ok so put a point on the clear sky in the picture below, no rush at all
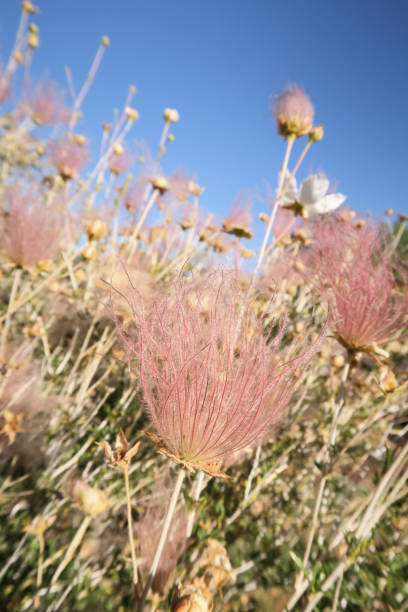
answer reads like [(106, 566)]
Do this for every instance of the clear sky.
[(219, 61)]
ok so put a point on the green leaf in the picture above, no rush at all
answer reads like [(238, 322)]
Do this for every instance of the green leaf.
[(299, 564)]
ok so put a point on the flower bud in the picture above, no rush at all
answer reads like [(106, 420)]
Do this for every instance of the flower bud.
[(89, 251), (80, 140), (171, 115), (28, 7), (131, 113), (18, 56), (105, 41), (316, 133), (33, 38), (160, 183), (96, 229), (118, 148), (293, 112), (195, 189)]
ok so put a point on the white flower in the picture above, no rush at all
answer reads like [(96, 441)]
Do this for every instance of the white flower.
[(312, 195)]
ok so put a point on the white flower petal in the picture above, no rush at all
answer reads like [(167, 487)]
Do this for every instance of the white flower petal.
[(291, 192), (313, 188), (326, 204)]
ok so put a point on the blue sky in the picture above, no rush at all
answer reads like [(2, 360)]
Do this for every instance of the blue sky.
[(219, 61)]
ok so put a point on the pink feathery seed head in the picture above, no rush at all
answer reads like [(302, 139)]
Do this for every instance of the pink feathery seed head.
[(69, 157), (121, 162), (213, 382), (190, 216), (179, 182), (134, 194), (148, 529), (239, 219), (29, 232), (125, 280), (218, 242), (354, 269), (46, 107), (293, 112)]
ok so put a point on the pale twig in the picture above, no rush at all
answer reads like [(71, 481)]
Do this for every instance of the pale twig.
[(72, 548), (300, 580), (199, 486), (85, 87), (399, 234), (39, 569), (367, 523), (337, 592), (272, 216), (26, 297), (7, 322), (141, 220), (252, 473), (130, 528), (163, 537)]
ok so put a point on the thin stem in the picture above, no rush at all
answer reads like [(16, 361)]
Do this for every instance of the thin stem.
[(196, 496), (367, 524), (166, 128), (269, 477), (337, 592), (12, 63), (399, 234), (302, 583), (39, 570), (6, 326), (275, 206), (26, 296), (296, 168), (133, 239), (315, 520), (337, 572), (85, 87), (252, 473), (129, 511), (72, 548), (163, 538)]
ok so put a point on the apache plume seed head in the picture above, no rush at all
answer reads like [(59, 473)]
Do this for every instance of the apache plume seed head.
[(212, 381), (69, 158), (46, 107), (29, 232), (179, 184), (239, 219), (293, 112), (121, 161), (354, 270)]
